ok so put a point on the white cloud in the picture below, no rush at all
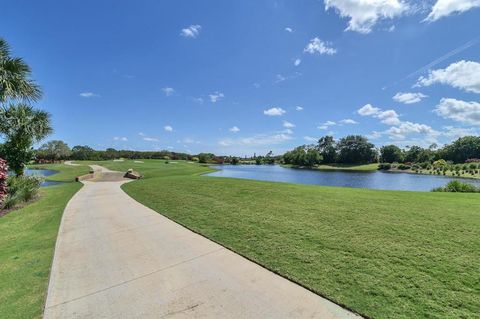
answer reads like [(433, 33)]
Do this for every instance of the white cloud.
[(389, 117), (460, 111), (150, 139), (443, 8), (457, 132), (274, 111), (119, 138), (198, 100), (259, 139), (191, 32), (364, 14), (297, 62), (168, 128), (89, 94), (374, 135), (280, 78), (168, 91), (289, 30), (407, 128), (368, 110), (310, 139), (298, 108), (463, 74), (215, 97), (318, 46), (408, 98), (234, 129), (348, 121), (287, 124), (326, 125)]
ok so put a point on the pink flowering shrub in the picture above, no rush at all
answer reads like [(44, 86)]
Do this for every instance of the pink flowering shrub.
[(3, 179)]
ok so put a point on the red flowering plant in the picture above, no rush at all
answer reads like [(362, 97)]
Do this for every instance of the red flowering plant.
[(3, 179)]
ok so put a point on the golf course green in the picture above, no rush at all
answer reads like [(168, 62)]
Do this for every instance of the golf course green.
[(382, 254)]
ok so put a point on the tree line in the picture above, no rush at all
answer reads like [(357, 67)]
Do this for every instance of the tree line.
[(356, 149)]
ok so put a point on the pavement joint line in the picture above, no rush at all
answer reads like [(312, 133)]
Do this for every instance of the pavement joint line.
[(136, 278)]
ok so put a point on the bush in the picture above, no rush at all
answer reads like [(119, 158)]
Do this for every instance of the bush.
[(457, 187), (21, 189), (403, 166), (384, 166)]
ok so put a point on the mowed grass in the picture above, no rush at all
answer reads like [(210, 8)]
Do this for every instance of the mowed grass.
[(28, 237), (383, 254)]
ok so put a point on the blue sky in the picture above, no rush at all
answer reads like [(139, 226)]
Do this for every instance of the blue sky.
[(238, 77)]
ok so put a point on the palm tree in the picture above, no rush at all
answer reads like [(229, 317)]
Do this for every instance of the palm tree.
[(15, 82), (21, 125)]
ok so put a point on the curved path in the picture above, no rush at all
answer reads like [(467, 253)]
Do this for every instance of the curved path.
[(116, 258)]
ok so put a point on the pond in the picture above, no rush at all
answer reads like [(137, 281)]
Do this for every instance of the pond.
[(44, 173), (372, 180)]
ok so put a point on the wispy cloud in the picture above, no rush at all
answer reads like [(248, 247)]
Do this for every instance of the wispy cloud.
[(408, 97), (289, 30), (287, 124), (317, 46), (191, 32), (150, 139), (120, 138), (217, 96), (444, 8), (234, 129), (297, 62), (168, 91), (298, 108), (89, 94), (274, 111), (256, 140), (168, 128)]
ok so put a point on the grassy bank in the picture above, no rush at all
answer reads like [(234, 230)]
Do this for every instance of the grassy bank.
[(343, 167), (28, 238), (384, 254)]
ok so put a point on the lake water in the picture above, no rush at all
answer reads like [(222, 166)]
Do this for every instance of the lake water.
[(44, 173), (373, 180)]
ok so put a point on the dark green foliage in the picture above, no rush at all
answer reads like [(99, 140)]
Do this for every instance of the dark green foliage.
[(327, 148), (384, 166), (53, 151), (305, 155), (355, 149), (21, 189), (391, 154)]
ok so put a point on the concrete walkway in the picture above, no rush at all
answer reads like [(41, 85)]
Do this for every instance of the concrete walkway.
[(116, 258)]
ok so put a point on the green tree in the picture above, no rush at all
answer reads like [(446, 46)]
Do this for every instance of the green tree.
[(413, 154), (326, 147), (15, 82), (355, 149), (22, 126), (55, 150), (462, 149), (82, 152), (391, 154)]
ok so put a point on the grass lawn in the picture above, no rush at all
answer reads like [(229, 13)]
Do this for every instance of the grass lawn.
[(384, 254), (28, 238)]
